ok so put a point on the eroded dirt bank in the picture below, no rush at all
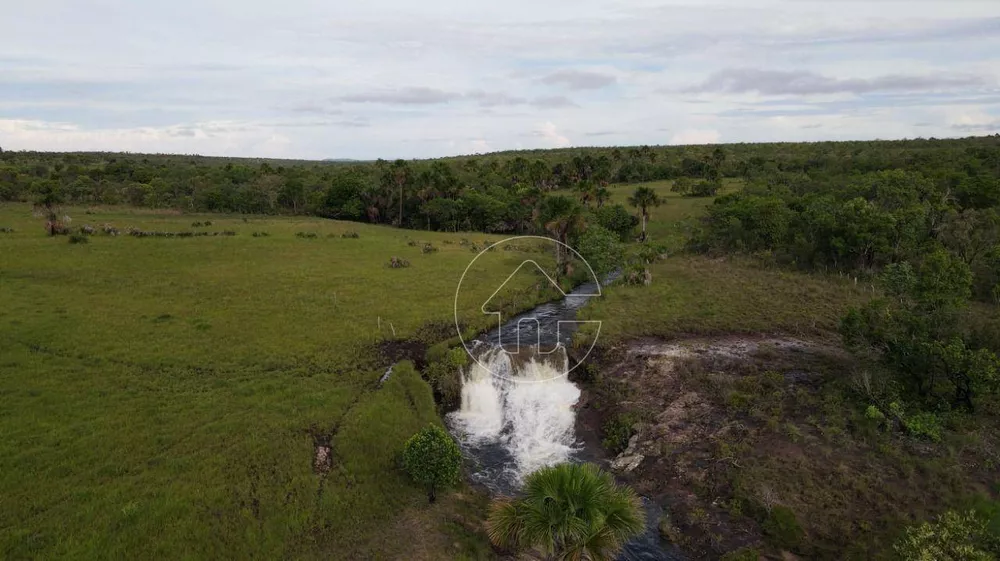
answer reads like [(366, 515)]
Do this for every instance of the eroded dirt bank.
[(756, 445)]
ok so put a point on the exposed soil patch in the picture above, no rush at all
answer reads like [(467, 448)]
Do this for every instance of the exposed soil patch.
[(758, 442), (322, 450), (395, 350)]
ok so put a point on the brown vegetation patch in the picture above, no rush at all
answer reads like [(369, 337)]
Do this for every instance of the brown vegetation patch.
[(732, 434)]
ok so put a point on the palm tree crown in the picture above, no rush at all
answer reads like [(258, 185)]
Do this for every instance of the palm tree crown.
[(570, 512), (643, 198)]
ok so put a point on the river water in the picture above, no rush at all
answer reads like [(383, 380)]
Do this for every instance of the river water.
[(517, 409)]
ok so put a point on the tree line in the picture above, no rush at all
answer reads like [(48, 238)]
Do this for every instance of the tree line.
[(492, 193)]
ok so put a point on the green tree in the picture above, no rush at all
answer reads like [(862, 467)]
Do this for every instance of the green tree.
[(432, 459), (569, 512), (682, 185), (617, 219), (601, 248), (644, 198), (562, 217)]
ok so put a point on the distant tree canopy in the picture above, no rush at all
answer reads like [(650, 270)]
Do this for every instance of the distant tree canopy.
[(498, 192)]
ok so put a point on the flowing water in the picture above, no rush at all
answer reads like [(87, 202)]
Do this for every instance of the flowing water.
[(517, 408)]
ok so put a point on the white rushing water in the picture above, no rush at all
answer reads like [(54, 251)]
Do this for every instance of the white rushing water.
[(516, 414)]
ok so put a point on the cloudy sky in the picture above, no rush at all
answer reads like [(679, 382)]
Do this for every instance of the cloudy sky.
[(390, 78)]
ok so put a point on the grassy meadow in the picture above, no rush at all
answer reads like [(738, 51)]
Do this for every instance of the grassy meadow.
[(163, 397)]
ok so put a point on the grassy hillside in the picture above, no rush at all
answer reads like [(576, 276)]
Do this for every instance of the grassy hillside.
[(163, 397)]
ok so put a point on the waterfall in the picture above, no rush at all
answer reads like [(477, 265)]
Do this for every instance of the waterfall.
[(516, 414)]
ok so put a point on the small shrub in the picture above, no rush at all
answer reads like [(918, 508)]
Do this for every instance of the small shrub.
[(351, 235), (78, 238), (926, 425), (6, 230), (398, 263), (739, 401), (650, 253), (782, 527), (637, 275), (87, 230), (196, 224), (875, 414), (705, 189), (952, 537), (617, 432), (110, 230), (413, 243), (432, 458), (444, 373), (307, 235), (260, 234), (428, 248), (209, 222)]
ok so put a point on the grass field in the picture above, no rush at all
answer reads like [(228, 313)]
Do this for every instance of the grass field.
[(668, 221), (163, 397), (700, 295)]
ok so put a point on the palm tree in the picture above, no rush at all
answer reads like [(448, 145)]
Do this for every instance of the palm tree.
[(601, 195), (571, 512), (643, 199), (560, 216)]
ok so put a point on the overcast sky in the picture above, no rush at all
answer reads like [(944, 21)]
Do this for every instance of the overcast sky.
[(391, 78)]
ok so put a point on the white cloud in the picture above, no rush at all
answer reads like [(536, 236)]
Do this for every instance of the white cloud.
[(387, 78), (695, 136), (550, 133)]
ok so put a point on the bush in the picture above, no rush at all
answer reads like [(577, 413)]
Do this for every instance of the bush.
[(351, 235), (432, 458), (601, 249), (260, 234), (87, 230), (617, 219), (649, 253), (705, 189), (952, 537), (682, 185), (398, 263), (782, 527), (924, 425), (617, 432), (307, 235), (78, 238), (444, 373), (428, 248), (6, 230), (637, 274)]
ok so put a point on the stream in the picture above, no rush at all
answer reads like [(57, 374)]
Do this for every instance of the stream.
[(517, 410)]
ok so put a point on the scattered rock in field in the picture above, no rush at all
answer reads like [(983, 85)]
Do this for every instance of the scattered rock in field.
[(323, 459)]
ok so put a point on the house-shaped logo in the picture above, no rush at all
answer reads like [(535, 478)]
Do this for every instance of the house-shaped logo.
[(543, 330)]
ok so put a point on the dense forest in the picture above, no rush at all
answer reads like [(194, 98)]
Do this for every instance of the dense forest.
[(489, 193)]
